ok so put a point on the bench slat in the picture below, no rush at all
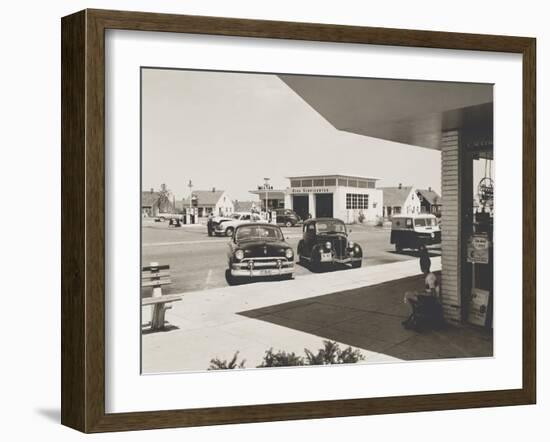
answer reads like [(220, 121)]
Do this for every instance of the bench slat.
[(160, 299), (148, 275), (156, 282), (160, 267)]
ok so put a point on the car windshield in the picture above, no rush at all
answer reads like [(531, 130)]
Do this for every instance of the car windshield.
[(267, 233), (330, 226), (422, 222), (236, 216)]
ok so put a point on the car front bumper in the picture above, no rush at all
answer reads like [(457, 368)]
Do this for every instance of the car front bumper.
[(330, 258), (265, 267)]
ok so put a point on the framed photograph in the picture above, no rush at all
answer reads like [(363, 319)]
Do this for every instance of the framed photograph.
[(270, 220)]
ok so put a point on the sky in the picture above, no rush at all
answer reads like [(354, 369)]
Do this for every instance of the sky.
[(231, 130)]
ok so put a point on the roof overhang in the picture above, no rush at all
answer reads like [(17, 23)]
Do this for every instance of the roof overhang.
[(271, 193), (405, 111)]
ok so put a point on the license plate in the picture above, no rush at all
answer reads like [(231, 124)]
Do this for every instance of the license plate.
[(266, 271), (326, 257)]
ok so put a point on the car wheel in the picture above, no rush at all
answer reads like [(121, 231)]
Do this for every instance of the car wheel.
[(300, 250), (231, 280), (229, 231), (288, 224), (316, 265)]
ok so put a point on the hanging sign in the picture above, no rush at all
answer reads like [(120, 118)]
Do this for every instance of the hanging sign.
[(485, 191), (478, 249)]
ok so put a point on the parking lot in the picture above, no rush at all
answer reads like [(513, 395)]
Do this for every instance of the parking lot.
[(198, 262)]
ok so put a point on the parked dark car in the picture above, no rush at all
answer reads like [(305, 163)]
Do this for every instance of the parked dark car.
[(259, 250), (287, 217), (325, 241)]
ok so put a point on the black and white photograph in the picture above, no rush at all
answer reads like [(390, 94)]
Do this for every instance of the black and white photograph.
[(300, 220)]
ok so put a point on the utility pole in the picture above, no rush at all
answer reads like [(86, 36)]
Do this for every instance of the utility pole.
[(190, 185)]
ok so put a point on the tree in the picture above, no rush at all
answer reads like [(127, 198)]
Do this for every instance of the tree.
[(164, 198)]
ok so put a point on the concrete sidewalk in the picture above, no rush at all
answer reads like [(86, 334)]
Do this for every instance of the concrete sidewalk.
[(361, 307)]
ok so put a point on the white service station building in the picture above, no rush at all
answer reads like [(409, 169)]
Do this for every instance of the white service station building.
[(350, 198)]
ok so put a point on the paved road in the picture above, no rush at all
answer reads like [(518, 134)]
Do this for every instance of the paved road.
[(198, 262)]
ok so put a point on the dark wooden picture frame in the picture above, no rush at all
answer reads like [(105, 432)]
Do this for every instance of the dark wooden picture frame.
[(83, 220)]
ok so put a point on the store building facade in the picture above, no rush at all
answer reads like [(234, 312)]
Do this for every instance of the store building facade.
[(347, 197)]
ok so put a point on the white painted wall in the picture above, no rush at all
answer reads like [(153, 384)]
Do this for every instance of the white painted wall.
[(224, 205)]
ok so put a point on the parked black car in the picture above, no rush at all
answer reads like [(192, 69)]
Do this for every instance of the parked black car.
[(259, 250), (287, 217), (325, 241)]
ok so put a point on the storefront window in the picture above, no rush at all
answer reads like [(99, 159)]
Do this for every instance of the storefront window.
[(357, 201), (307, 183), (320, 182)]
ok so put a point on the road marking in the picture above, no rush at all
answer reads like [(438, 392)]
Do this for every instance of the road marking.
[(208, 278)]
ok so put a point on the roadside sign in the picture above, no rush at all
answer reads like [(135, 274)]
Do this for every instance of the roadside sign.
[(479, 306), (478, 249)]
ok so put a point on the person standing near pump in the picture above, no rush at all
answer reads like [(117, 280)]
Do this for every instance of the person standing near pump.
[(209, 226), (425, 261)]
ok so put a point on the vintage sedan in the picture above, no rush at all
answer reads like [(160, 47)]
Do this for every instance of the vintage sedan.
[(325, 241), (225, 226), (259, 250)]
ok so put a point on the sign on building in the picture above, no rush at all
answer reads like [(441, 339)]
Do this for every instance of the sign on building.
[(478, 249), (479, 306)]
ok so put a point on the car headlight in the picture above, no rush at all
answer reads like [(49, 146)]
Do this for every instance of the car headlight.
[(351, 244), (239, 254), (289, 253), (328, 245)]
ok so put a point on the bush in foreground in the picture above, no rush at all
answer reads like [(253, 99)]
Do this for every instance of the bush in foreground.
[(218, 364), (331, 353)]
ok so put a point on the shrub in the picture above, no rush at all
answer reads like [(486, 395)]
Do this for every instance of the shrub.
[(331, 353), (218, 364), (281, 359)]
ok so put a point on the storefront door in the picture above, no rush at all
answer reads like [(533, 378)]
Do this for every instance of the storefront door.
[(324, 205), (300, 205)]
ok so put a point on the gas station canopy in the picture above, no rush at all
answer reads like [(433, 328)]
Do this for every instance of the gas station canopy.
[(406, 111)]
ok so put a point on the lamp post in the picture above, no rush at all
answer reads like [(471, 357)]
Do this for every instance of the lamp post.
[(266, 187)]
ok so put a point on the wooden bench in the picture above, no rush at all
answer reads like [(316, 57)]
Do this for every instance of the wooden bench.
[(155, 276)]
